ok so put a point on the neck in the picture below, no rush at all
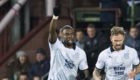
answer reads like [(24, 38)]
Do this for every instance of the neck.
[(117, 49), (69, 46), (22, 63)]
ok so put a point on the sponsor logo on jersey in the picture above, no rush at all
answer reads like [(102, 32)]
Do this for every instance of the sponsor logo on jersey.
[(69, 64)]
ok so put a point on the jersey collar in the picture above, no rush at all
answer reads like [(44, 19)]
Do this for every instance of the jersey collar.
[(112, 50), (74, 45)]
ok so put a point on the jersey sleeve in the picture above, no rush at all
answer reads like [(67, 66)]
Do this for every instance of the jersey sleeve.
[(83, 63), (101, 61), (135, 57), (55, 45)]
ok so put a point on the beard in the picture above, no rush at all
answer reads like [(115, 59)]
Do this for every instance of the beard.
[(118, 47), (68, 42)]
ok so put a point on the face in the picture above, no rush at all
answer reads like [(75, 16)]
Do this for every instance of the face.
[(133, 32), (5, 79), (36, 78), (68, 36), (23, 77), (22, 59), (79, 35), (40, 57), (117, 41), (91, 32)]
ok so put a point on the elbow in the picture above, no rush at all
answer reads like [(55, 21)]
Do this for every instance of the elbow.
[(52, 39), (93, 74)]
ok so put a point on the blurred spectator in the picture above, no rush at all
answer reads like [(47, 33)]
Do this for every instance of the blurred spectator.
[(20, 64), (133, 40), (5, 79), (23, 76), (80, 38), (95, 42), (42, 64), (138, 27)]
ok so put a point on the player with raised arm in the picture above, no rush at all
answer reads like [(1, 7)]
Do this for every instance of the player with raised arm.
[(66, 57)]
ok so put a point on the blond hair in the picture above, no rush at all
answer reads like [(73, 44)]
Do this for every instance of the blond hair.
[(117, 30)]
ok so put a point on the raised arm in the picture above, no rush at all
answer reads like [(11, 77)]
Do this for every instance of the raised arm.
[(97, 74), (52, 30)]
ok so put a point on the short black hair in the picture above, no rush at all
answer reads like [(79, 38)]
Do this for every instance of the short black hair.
[(79, 30), (138, 25), (66, 27), (91, 26), (41, 51)]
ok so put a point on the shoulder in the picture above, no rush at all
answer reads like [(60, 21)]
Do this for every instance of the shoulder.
[(57, 44), (80, 50), (130, 49), (11, 63), (57, 41), (105, 52), (47, 61)]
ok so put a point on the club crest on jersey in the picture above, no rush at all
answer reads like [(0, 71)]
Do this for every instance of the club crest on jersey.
[(69, 64), (126, 55)]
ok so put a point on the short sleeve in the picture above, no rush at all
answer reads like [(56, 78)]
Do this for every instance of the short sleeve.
[(83, 63), (100, 62), (135, 57), (55, 45)]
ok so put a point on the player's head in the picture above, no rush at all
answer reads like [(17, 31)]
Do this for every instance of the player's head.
[(117, 37), (67, 35)]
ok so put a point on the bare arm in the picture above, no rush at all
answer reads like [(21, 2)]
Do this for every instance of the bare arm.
[(97, 74), (136, 69), (86, 73), (52, 30)]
